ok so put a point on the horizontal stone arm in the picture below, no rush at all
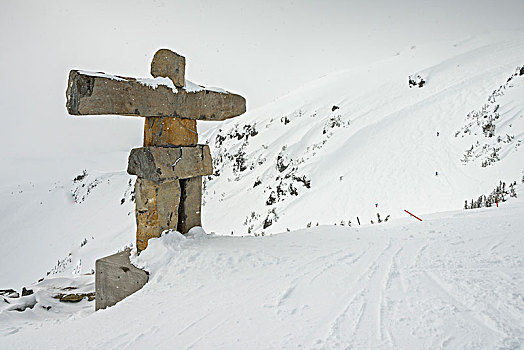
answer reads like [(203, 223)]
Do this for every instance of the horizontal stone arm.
[(160, 164), (99, 94)]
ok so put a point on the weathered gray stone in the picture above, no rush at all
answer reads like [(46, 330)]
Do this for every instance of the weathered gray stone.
[(170, 163), (190, 204), (116, 278), (169, 64), (156, 209), (96, 94)]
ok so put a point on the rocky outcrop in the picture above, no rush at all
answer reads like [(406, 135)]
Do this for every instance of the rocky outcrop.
[(10, 293), (75, 297)]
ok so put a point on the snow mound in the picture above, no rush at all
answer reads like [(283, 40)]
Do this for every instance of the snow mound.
[(162, 251)]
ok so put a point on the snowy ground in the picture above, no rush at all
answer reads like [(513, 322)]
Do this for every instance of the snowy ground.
[(455, 280)]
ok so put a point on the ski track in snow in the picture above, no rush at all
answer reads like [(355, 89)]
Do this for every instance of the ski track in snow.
[(453, 281)]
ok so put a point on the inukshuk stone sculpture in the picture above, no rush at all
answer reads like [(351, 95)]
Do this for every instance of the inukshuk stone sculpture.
[(171, 164)]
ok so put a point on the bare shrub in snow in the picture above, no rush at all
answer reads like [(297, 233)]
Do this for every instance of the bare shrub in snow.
[(500, 194), (416, 80)]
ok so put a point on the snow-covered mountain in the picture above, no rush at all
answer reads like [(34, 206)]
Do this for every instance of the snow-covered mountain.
[(337, 151), (363, 141)]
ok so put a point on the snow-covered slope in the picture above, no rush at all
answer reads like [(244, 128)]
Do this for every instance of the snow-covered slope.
[(454, 280), (337, 151), (362, 142), (55, 228)]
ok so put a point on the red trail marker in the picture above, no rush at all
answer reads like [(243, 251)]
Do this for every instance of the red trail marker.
[(416, 217)]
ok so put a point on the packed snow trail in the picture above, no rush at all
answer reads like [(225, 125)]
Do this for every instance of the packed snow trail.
[(455, 280)]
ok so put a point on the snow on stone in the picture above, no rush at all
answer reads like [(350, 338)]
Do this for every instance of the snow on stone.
[(216, 89), (176, 161), (102, 75), (192, 87), (155, 82)]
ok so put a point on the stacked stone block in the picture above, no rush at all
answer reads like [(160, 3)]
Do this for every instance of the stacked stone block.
[(168, 190), (169, 166)]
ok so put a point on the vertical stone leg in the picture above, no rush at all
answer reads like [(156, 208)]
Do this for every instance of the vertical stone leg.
[(156, 209), (169, 131), (190, 204)]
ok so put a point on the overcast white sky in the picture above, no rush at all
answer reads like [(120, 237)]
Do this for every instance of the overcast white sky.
[(259, 49)]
